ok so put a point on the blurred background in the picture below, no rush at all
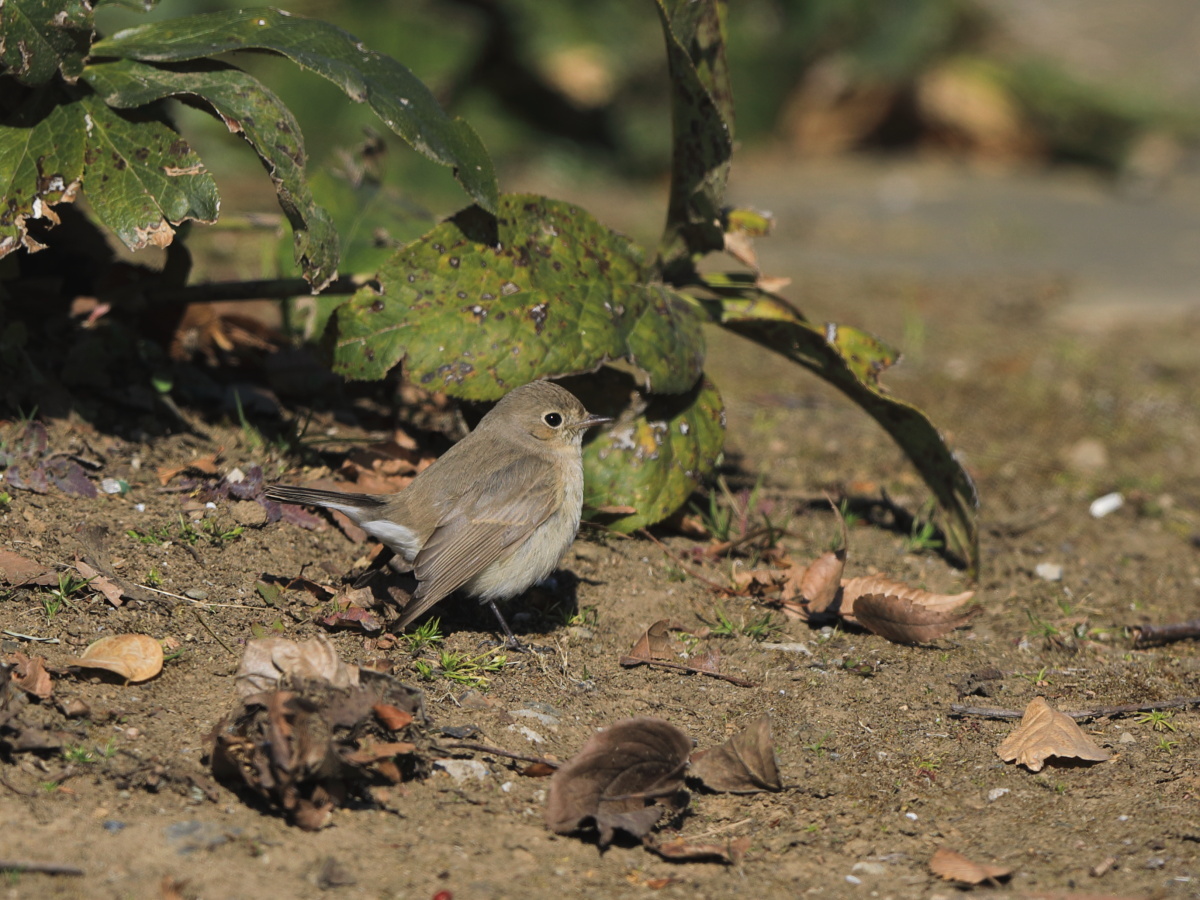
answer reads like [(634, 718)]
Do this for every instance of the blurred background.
[(908, 136)]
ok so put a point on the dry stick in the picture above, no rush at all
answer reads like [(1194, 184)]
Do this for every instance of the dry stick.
[(630, 661), (1145, 635), (496, 751), (1099, 712), (42, 868), (213, 633)]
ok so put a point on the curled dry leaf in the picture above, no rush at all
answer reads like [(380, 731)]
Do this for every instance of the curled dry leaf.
[(953, 866), (268, 660), (621, 779), (30, 675), (1046, 732), (745, 764), (16, 570), (135, 657), (97, 582), (817, 585), (853, 588), (908, 621)]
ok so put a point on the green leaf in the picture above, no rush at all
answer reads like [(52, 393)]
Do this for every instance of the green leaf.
[(702, 128), (141, 177), (480, 305), (39, 38), (652, 460), (248, 108), (41, 163), (397, 96), (851, 360)]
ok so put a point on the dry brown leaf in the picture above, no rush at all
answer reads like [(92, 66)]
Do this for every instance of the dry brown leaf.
[(204, 465), (907, 621), (740, 246), (953, 866), (390, 717), (818, 585), (745, 764), (853, 588), (655, 642), (30, 675), (1046, 732), (621, 779), (135, 657), (98, 582), (772, 284), (16, 569), (757, 581), (267, 660)]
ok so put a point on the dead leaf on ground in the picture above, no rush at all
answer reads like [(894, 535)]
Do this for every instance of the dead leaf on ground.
[(30, 675), (745, 764), (16, 570), (390, 717), (97, 582), (656, 642), (623, 778), (731, 852), (135, 657), (908, 621), (307, 750), (953, 866), (860, 586), (267, 661), (204, 465), (1046, 732)]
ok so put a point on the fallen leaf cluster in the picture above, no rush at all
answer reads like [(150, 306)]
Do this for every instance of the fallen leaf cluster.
[(886, 607), (29, 466), (626, 777), (26, 723), (311, 732)]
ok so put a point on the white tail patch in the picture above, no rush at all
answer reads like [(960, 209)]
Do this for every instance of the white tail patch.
[(401, 539)]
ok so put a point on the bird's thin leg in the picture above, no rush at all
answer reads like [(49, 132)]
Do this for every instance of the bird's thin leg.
[(513, 643)]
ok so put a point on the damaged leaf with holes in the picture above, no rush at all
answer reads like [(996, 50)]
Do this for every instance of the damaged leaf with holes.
[(481, 305)]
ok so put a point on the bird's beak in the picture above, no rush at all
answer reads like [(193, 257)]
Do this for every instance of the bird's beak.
[(592, 421)]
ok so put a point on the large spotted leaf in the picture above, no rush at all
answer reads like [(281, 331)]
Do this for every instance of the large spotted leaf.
[(653, 457), (41, 38), (481, 305)]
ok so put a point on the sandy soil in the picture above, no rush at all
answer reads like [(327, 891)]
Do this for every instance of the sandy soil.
[(878, 771)]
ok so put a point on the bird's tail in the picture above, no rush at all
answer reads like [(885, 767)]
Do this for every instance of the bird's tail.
[(353, 505)]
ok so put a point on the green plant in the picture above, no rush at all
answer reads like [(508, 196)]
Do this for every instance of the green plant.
[(5, 500), (1166, 746), (424, 635), (922, 537), (490, 298), (1157, 719), (818, 746), (154, 578), (78, 754)]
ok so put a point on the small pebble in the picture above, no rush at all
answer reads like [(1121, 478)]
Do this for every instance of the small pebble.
[(113, 826), (868, 868), (995, 794), (461, 770), (853, 880), (788, 648), (1049, 571), (1102, 506), (196, 594), (114, 486), (1126, 738)]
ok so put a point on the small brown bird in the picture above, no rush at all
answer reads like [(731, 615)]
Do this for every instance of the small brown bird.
[(494, 514)]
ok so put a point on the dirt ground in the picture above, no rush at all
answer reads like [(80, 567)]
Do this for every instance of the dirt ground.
[(878, 772)]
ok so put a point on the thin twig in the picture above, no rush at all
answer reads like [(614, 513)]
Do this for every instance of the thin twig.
[(204, 625), (1146, 635), (30, 637), (42, 868), (630, 661), (496, 751), (1099, 712)]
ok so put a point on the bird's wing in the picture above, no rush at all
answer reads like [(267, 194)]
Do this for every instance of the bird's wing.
[(509, 504)]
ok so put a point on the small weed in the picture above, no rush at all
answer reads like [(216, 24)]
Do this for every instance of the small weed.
[(217, 535), (424, 670), (813, 828), (757, 629), (470, 671), (818, 746), (426, 634), (922, 537), (1166, 746), (153, 536), (675, 573), (49, 787), (51, 606), (5, 500), (850, 518), (1040, 628), (1158, 719), (724, 626), (1038, 678), (153, 578), (78, 754)]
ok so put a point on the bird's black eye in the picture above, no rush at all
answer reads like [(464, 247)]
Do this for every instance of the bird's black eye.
[(552, 419)]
